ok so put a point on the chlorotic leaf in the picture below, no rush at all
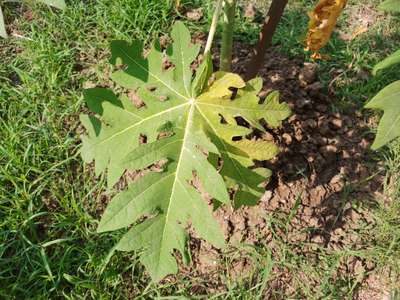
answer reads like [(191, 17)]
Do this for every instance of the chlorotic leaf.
[(391, 6), (3, 32), (389, 61), (388, 100), (189, 122)]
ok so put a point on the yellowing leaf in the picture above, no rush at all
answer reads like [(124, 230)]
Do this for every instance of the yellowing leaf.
[(220, 88), (259, 150), (323, 20)]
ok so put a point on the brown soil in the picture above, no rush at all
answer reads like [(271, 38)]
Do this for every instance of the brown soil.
[(360, 18), (318, 197)]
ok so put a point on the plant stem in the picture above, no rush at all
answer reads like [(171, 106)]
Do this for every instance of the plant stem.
[(227, 35), (213, 27), (270, 24)]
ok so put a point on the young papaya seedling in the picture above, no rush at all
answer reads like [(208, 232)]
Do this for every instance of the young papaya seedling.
[(199, 112)]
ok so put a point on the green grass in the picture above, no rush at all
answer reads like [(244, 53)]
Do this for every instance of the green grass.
[(49, 200)]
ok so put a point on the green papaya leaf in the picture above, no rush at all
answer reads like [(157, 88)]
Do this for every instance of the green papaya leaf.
[(199, 112), (3, 32), (392, 6), (388, 100), (389, 61)]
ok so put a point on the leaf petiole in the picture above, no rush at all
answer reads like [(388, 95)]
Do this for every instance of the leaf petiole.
[(213, 27)]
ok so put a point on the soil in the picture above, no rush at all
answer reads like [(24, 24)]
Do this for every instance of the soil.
[(319, 195), (359, 20)]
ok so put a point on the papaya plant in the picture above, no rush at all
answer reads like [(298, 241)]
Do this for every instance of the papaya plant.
[(388, 99), (270, 25), (192, 134)]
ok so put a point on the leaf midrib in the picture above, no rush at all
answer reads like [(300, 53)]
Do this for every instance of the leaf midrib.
[(185, 83), (178, 166), (140, 122)]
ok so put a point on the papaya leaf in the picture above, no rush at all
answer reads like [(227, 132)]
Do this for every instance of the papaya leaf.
[(391, 6), (204, 143), (389, 61), (388, 100)]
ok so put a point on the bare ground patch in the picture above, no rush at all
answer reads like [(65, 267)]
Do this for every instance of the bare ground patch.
[(318, 202)]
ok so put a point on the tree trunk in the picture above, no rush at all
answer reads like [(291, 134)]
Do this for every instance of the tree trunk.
[(227, 35), (270, 24)]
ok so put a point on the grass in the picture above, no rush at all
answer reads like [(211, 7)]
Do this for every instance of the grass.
[(49, 201)]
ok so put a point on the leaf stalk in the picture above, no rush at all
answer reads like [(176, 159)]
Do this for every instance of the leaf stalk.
[(213, 26)]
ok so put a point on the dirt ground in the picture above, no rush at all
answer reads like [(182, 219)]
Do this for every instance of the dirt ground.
[(322, 185)]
